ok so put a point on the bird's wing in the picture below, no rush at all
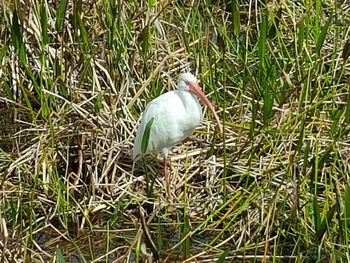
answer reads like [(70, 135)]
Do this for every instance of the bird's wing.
[(167, 111)]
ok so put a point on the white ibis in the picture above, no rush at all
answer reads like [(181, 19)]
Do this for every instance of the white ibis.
[(175, 115)]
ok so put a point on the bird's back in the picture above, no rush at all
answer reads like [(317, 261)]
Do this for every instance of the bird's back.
[(176, 114)]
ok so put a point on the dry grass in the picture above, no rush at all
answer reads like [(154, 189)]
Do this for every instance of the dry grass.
[(272, 188)]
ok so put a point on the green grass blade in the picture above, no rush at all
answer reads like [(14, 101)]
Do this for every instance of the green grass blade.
[(160, 231), (268, 103), (222, 257), (322, 36), (44, 25), (346, 50), (143, 39), (236, 18), (347, 206), (275, 23), (145, 137), (17, 38), (301, 36), (16, 31), (335, 125), (317, 214), (98, 106), (3, 52), (59, 256), (84, 35), (61, 14), (325, 223), (347, 111), (262, 40)]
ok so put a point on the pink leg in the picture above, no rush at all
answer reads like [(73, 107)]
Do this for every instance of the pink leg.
[(166, 176)]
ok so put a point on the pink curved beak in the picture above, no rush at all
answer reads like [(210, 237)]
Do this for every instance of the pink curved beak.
[(194, 87)]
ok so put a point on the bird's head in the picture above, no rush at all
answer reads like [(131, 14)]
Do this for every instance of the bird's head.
[(188, 82)]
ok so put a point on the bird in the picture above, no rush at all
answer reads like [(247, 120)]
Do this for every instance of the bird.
[(174, 116)]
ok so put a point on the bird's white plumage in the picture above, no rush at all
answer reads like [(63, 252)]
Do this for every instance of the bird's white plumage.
[(176, 114)]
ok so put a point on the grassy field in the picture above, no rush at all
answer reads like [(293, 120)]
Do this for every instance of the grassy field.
[(273, 187)]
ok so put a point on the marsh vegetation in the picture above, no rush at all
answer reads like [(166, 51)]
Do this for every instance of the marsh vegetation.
[(273, 187)]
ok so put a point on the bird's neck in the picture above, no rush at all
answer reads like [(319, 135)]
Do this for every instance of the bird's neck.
[(189, 100)]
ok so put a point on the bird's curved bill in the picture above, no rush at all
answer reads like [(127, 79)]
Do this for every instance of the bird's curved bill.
[(194, 88)]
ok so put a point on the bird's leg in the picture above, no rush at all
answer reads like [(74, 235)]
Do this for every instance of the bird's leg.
[(166, 176)]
